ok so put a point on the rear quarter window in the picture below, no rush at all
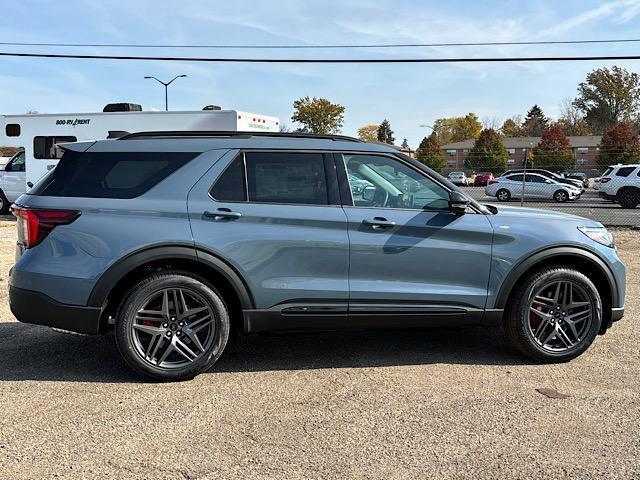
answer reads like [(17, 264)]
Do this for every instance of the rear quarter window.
[(109, 175), (624, 171)]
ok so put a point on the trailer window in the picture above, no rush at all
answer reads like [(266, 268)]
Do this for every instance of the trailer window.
[(12, 130), (46, 147)]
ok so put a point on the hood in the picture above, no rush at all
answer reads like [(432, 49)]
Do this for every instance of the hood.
[(522, 213)]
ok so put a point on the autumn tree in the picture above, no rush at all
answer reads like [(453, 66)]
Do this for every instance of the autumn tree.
[(512, 127), (457, 129), (572, 119), (553, 152), (609, 96), (488, 153), (619, 144), (385, 134), (318, 115), (534, 123), (430, 154), (368, 133)]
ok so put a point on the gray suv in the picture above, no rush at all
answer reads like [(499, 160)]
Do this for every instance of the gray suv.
[(178, 239)]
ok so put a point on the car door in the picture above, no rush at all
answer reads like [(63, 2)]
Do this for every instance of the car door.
[(13, 183), (411, 260), (276, 217), (537, 186)]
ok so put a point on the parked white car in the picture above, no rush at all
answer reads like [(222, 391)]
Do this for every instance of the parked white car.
[(458, 178), (535, 186), (12, 181), (622, 185)]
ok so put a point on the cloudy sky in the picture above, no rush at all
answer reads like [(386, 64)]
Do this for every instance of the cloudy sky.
[(409, 95)]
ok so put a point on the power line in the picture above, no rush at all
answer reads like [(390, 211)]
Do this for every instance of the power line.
[(323, 46), (323, 60)]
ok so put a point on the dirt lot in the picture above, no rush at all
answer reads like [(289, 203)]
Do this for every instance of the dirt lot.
[(441, 403)]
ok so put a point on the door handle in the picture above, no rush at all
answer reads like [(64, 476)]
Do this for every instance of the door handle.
[(221, 213), (378, 223)]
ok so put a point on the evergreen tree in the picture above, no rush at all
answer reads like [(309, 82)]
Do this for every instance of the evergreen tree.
[(385, 134), (405, 144), (535, 122), (430, 154), (488, 153)]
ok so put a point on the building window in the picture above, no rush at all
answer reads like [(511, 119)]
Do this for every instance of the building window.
[(47, 147), (511, 161), (452, 163), (582, 149), (466, 150), (581, 161), (12, 130), (512, 151), (452, 153)]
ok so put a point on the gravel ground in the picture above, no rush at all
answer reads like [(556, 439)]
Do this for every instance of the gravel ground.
[(429, 404)]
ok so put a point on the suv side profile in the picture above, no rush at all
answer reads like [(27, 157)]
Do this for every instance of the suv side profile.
[(177, 239), (621, 184)]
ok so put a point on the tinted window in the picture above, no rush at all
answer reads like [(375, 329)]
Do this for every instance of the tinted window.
[(535, 179), (230, 186), (45, 147), (516, 178), (625, 171), (389, 183), (109, 175), (12, 130), (275, 177)]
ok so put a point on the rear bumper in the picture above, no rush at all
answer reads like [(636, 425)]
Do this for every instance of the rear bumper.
[(36, 308)]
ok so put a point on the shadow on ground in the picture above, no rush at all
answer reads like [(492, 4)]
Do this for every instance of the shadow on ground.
[(30, 352)]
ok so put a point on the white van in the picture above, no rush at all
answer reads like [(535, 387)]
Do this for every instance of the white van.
[(39, 134)]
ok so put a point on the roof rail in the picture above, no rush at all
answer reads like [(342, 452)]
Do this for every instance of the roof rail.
[(233, 134)]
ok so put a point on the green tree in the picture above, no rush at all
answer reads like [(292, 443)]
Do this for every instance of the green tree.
[(457, 129), (534, 123), (385, 134), (318, 115), (609, 96), (619, 144), (405, 144), (368, 133), (512, 127), (488, 153), (572, 119), (430, 154), (553, 152)]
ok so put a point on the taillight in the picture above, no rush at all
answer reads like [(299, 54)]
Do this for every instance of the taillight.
[(491, 181), (35, 224), (605, 180)]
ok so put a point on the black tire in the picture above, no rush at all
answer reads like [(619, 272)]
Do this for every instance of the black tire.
[(518, 314), (135, 300), (628, 198), (4, 204), (504, 193), (561, 196)]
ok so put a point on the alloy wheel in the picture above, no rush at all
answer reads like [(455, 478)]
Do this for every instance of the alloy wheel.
[(173, 328), (560, 316)]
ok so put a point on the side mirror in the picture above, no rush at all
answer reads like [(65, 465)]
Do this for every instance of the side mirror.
[(369, 193), (458, 203)]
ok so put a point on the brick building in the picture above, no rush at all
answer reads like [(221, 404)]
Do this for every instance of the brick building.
[(585, 150)]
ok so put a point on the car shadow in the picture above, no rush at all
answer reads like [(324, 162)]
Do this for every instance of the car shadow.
[(29, 352)]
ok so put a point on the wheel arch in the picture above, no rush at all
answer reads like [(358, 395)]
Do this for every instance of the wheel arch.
[(583, 260), (116, 280)]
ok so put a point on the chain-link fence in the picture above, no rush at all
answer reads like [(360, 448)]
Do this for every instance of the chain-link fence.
[(610, 196)]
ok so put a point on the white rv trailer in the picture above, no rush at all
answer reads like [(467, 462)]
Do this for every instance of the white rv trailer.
[(38, 134)]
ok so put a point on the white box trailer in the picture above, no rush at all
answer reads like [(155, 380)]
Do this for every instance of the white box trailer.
[(38, 134)]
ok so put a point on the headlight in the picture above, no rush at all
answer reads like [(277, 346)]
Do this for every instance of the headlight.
[(599, 234)]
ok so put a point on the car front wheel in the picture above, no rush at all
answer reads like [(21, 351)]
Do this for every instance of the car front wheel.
[(503, 195), (554, 315), (561, 196), (172, 326)]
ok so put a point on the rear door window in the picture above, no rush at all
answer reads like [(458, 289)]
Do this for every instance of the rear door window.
[(625, 171), (109, 175), (231, 185)]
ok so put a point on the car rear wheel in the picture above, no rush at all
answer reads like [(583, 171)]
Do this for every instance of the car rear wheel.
[(629, 198), (172, 326), (554, 315), (561, 196), (503, 195)]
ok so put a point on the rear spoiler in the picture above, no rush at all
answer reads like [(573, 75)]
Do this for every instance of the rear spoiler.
[(76, 146)]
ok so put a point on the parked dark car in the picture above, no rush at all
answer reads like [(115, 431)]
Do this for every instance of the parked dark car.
[(580, 176), (483, 179)]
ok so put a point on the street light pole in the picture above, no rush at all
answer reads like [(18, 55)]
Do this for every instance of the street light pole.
[(166, 88)]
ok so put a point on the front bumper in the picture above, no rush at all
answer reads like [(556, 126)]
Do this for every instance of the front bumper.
[(617, 314), (36, 308)]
